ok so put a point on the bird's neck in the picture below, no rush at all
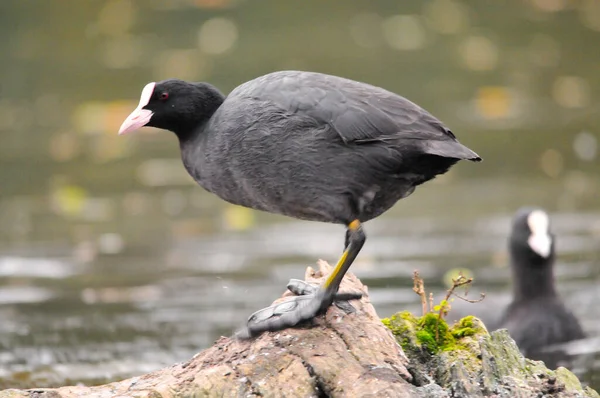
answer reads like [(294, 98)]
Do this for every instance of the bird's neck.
[(194, 157), (190, 132), (193, 125), (532, 281)]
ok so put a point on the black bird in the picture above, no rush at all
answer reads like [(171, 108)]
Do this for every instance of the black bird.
[(537, 316), (306, 145)]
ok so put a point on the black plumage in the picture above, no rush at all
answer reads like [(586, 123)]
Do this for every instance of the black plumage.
[(537, 316), (306, 145)]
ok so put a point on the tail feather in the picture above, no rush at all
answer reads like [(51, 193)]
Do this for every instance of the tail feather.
[(451, 149)]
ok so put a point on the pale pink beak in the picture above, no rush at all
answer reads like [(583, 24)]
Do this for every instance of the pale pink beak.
[(139, 117)]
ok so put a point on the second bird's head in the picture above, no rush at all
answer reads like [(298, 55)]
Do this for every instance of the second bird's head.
[(531, 240), (174, 105)]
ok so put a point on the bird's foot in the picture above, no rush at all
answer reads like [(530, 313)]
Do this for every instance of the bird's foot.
[(309, 301), (301, 288)]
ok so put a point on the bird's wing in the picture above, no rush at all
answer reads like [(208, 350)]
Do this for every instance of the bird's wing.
[(360, 113)]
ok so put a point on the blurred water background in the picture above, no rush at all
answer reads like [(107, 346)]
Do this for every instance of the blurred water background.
[(114, 263)]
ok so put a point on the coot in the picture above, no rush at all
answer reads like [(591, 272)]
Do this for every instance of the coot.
[(537, 316), (306, 145)]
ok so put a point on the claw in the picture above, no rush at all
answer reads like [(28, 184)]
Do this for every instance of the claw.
[(345, 306), (309, 302), (274, 310), (301, 288), (347, 296), (283, 315)]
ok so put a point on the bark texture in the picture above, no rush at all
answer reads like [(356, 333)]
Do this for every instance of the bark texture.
[(342, 355)]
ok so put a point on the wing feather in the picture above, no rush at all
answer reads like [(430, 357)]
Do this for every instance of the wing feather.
[(358, 112)]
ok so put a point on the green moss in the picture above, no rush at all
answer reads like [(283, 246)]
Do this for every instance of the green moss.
[(570, 381), (14, 394), (420, 332), (434, 334), (589, 392), (465, 358), (403, 326), (467, 322), (425, 338), (464, 328), (412, 332)]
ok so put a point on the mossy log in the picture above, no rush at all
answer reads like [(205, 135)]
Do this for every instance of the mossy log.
[(349, 355)]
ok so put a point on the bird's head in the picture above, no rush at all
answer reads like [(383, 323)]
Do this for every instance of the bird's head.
[(531, 238), (174, 105)]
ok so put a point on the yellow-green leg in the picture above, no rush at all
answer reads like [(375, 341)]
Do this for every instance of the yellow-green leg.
[(313, 300)]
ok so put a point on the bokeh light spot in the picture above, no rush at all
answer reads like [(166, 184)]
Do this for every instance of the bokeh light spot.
[(551, 163), (479, 53), (111, 243), (404, 32), (493, 102), (238, 218), (589, 13), (571, 92), (64, 146), (186, 64), (585, 146), (217, 36), (549, 5)]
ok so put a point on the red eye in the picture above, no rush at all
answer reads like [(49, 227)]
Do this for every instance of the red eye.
[(164, 96)]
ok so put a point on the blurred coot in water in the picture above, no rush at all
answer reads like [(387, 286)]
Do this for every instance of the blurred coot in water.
[(306, 145), (537, 316)]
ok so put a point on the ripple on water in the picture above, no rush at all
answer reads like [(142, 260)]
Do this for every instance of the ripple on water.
[(24, 294), (13, 266)]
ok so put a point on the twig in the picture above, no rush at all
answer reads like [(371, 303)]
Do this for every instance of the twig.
[(459, 281), (430, 302), (420, 290), (481, 297)]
